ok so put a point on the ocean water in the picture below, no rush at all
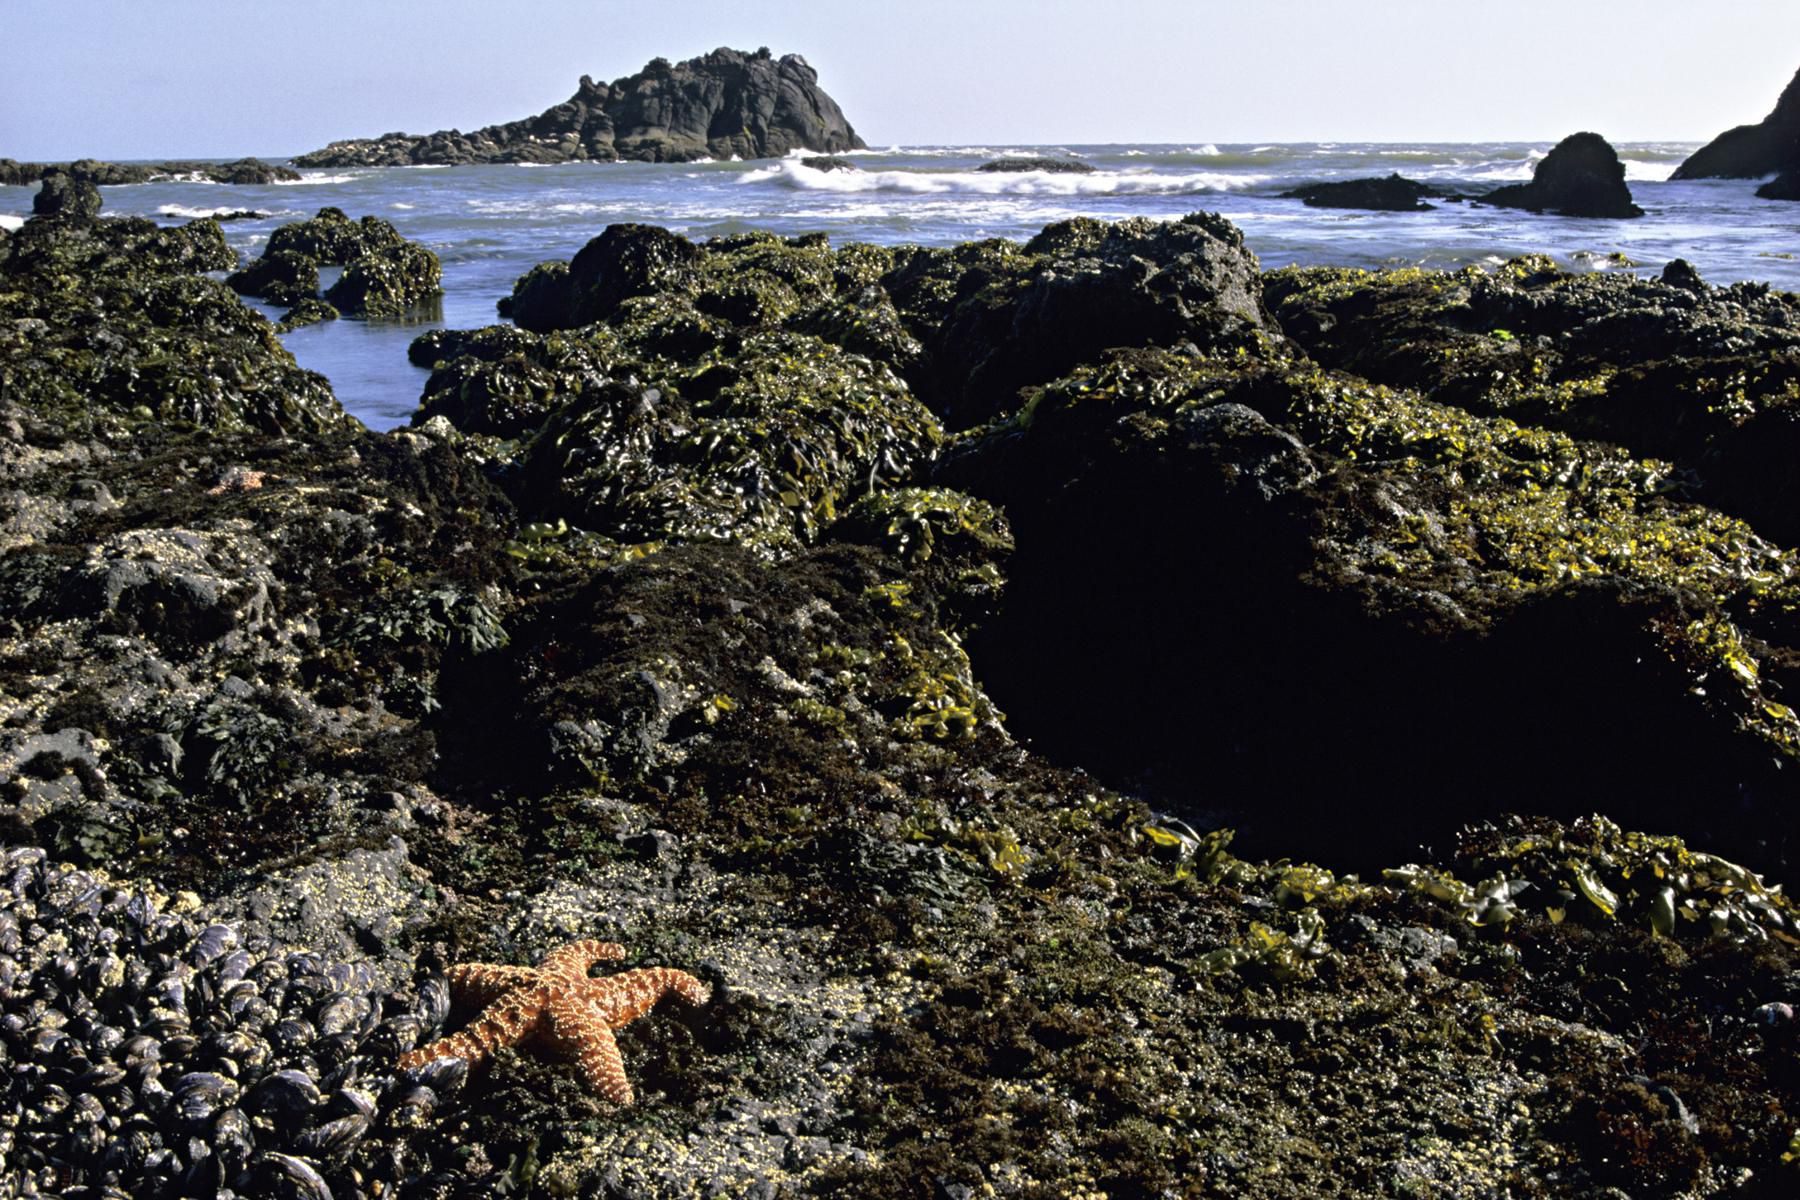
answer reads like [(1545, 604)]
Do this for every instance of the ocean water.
[(490, 224)]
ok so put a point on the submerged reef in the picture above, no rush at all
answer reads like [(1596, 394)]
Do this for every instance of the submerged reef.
[(1089, 717)]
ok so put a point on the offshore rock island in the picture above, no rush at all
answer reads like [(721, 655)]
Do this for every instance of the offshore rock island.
[(722, 105), (888, 640)]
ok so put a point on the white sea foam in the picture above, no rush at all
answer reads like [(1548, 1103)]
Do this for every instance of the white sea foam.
[(194, 214), (306, 180), (1648, 172), (1207, 150), (1009, 183), (534, 207), (402, 205), (8, 221)]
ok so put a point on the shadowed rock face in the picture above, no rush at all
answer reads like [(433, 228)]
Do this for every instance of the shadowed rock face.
[(1581, 177), (1771, 145), (723, 104)]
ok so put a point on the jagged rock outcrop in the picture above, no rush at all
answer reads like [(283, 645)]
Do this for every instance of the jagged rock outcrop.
[(724, 104), (1391, 193), (244, 170), (1769, 146), (1785, 186), (1581, 177)]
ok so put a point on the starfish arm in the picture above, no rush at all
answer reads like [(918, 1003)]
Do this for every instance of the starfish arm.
[(506, 1022), (480, 984), (576, 1031), (623, 998), (573, 960)]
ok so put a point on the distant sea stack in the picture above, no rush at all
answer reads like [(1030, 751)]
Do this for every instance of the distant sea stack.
[(724, 104), (1767, 148), (1581, 177)]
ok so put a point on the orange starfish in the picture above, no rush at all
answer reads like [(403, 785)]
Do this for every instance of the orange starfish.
[(559, 1005)]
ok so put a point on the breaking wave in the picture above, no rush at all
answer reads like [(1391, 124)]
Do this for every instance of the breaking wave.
[(799, 177)]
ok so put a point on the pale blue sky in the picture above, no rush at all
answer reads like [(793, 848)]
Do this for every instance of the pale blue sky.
[(205, 78)]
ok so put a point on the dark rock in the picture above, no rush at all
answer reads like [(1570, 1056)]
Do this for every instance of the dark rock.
[(68, 197), (827, 163), (1770, 146), (624, 261), (1785, 186), (308, 311), (1055, 166), (250, 171), (384, 274), (1393, 193), (1580, 177), (724, 104), (1078, 288), (388, 281), (333, 239), (246, 170), (132, 332), (279, 276), (1682, 274)]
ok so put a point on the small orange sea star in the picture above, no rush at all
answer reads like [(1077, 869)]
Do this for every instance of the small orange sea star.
[(560, 1007)]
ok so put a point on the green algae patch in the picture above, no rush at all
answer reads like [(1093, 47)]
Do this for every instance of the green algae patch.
[(1696, 375), (1593, 871), (767, 446)]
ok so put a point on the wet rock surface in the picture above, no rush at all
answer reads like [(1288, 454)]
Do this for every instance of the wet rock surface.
[(723, 104), (1580, 177), (855, 629)]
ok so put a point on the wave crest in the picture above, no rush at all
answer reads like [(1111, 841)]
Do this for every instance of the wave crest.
[(799, 177)]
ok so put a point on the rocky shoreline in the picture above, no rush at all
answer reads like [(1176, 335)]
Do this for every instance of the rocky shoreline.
[(243, 171), (891, 638)]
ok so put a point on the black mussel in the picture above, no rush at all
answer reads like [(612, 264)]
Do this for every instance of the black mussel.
[(334, 1139), (290, 1178), (212, 942), (286, 1095), (199, 1095)]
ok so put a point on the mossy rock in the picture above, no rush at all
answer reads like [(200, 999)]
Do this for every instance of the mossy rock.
[(388, 281), (765, 445), (279, 276), (130, 332), (332, 239), (509, 382)]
